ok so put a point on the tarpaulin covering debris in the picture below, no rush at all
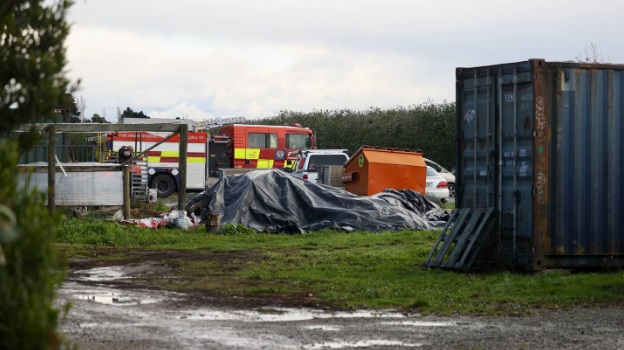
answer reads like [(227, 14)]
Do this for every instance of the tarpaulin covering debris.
[(274, 201)]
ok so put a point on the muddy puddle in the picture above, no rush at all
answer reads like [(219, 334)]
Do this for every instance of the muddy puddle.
[(110, 297), (105, 317), (117, 297), (102, 274), (363, 344)]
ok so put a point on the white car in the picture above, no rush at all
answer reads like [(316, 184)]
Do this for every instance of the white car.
[(311, 162), (450, 178), (436, 186)]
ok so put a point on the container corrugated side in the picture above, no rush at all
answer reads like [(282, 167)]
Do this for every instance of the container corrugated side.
[(586, 225), (541, 142)]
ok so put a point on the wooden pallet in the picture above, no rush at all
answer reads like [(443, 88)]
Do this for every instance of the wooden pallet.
[(462, 238)]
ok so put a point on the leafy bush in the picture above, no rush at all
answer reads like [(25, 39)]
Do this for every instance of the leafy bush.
[(32, 271), (32, 61)]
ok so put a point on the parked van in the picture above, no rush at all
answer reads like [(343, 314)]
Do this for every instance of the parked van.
[(310, 162)]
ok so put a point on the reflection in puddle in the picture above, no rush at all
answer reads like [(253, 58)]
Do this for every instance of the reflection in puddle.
[(282, 315), (90, 325), (420, 324), (102, 274), (324, 328), (361, 344), (110, 298)]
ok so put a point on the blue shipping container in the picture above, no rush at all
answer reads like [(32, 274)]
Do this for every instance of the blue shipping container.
[(542, 143)]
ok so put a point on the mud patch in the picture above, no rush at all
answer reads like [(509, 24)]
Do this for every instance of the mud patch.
[(145, 316), (193, 272), (154, 319)]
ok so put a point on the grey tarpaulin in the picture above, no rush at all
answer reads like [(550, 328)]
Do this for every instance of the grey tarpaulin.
[(274, 201)]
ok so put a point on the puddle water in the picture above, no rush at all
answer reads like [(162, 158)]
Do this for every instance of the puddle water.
[(281, 315), (420, 324), (110, 298), (102, 274), (361, 344), (324, 328)]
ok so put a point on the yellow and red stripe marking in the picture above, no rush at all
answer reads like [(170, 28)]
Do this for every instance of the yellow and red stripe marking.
[(173, 157), (260, 158)]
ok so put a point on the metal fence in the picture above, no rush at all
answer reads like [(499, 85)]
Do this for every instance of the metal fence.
[(68, 154)]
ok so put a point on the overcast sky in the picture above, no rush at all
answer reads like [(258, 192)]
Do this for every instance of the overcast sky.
[(212, 58)]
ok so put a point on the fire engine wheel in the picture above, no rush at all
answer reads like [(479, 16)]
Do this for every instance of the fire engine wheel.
[(164, 184)]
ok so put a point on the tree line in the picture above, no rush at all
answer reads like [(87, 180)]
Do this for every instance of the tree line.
[(74, 107), (428, 127)]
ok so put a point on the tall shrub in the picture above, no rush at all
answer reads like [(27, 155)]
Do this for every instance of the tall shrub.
[(32, 86), (31, 272)]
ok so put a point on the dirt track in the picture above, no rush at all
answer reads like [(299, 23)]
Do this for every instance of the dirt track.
[(109, 313)]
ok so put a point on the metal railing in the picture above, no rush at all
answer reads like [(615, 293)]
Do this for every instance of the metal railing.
[(68, 154)]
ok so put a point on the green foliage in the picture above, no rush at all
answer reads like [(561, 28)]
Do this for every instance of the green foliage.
[(428, 127), (129, 113), (32, 59), (32, 86), (32, 273), (230, 229), (70, 108), (98, 119)]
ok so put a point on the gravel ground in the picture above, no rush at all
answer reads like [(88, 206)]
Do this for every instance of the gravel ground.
[(108, 318)]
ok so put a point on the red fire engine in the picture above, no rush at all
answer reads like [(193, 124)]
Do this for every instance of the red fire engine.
[(234, 146), (257, 146)]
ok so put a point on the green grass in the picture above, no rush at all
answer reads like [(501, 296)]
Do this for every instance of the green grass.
[(448, 205), (356, 270)]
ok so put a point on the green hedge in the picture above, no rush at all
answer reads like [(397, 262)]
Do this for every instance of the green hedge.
[(428, 127)]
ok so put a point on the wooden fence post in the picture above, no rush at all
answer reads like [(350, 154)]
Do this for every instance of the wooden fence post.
[(51, 168), (182, 166), (126, 192)]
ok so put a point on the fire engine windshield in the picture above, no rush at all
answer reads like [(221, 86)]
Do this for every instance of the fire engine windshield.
[(298, 141)]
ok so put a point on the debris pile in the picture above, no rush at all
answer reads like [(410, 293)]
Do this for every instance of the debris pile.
[(175, 218)]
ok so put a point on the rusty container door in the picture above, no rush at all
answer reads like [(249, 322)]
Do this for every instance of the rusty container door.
[(495, 124)]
